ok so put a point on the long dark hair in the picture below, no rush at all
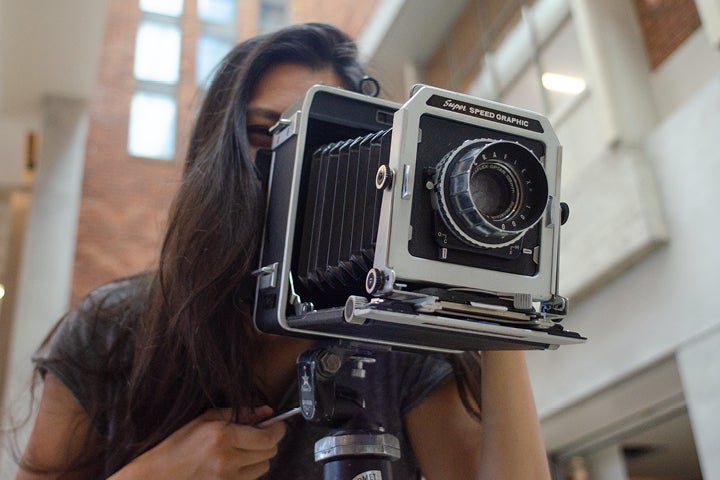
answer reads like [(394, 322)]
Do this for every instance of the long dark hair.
[(195, 346)]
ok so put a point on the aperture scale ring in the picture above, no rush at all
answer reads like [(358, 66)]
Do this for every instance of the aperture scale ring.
[(526, 182)]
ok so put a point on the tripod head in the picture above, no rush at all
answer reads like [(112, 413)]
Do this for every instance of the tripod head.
[(362, 450), (322, 399)]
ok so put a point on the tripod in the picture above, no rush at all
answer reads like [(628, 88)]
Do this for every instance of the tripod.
[(362, 450)]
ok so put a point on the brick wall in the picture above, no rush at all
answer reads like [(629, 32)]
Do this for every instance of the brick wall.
[(665, 25), (348, 15), (457, 59), (125, 199), (249, 12)]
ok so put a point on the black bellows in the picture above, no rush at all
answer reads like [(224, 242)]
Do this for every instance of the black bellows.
[(342, 209)]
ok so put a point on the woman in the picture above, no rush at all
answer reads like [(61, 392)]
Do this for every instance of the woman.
[(162, 375)]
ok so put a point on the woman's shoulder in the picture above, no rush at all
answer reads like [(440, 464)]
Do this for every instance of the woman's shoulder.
[(417, 364), (91, 348), (119, 293), (404, 378), (108, 315), (113, 306)]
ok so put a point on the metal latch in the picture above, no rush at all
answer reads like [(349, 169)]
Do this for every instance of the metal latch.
[(267, 276)]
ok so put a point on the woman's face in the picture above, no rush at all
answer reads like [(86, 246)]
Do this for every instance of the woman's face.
[(279, 87)]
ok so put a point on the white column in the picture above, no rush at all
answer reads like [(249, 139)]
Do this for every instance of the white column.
[(46, 263), (607, 464), (616, 64), (608, 180), (699, 363), (709, 11)]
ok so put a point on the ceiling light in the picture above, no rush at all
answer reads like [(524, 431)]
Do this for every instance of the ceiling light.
[(2, 291), (563, 83)]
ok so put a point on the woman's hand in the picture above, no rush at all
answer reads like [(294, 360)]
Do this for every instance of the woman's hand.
[(211, 447)]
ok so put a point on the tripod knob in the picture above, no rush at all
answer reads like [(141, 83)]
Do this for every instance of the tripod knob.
[(359, 370)]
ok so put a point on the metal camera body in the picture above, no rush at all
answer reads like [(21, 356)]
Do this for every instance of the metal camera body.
[(431, 225)]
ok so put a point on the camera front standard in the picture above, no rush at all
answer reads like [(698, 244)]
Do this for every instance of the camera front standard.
[(431, 225)]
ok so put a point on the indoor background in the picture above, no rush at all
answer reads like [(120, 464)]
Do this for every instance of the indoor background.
[(96, 99)]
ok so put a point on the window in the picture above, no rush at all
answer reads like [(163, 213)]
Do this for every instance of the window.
[(273, 15), (172, 8), (152, 131), (157, 52), (210, 50), (153, 111), (217, 36), (217, 11)]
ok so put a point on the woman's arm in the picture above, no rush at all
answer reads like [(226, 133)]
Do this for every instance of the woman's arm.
[(62, 434), (209, 447), (451, 444)]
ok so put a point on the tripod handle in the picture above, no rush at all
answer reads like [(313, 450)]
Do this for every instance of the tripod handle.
[(321, 399)]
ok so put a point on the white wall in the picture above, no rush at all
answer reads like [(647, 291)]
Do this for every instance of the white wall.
[(684, 73), (662, 307), (698, 362), (666, 300)]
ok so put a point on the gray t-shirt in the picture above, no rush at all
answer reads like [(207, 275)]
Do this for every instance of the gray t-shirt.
[(396, 383)]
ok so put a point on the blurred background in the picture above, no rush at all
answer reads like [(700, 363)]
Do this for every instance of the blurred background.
[(97, 98)]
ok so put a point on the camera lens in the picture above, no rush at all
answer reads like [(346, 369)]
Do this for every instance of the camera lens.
[(494, 190), (490, 192)]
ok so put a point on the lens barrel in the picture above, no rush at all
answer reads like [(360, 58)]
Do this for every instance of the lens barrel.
[(490, 192)]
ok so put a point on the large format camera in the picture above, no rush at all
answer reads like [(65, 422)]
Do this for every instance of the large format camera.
[(432, 225)]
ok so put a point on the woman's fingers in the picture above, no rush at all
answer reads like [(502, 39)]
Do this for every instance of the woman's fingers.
[(248, 416), (246, 437)]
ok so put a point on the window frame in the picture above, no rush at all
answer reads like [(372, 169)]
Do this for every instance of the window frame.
[(156, 87)]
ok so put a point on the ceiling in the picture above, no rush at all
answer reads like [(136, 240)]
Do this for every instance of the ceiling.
[(47, 48), (645, 415), (52, 47)]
